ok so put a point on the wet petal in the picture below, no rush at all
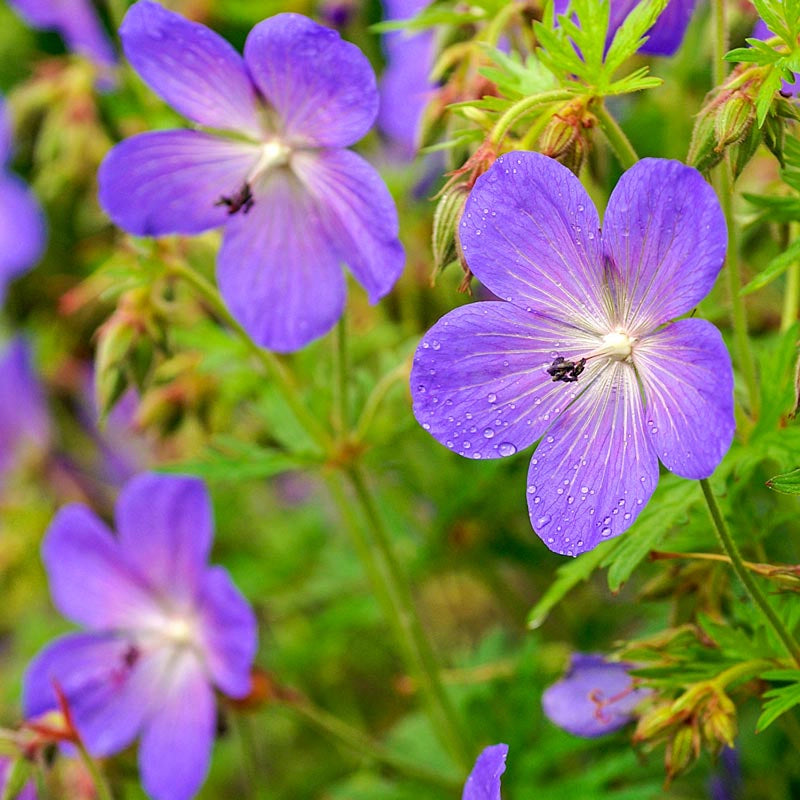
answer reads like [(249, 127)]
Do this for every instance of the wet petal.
[(480, 383), (688, 386), (322, 87), (229, 633), (91, 581), (106, 689), (530, 233), (277, 270), (175, 748), (665, 233), (191, 67), (359, 213), (165, 529), (22, 230), (595, 469), (172, 181), (483, 782), (594, 698)]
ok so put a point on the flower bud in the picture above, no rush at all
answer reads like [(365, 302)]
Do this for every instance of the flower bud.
[(703, 154), (564, 137), (655, 723), (682, 749), (734, 120), (445, 227)]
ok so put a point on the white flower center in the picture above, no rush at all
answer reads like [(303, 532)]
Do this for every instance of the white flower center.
[(273, 153), (617, 345)]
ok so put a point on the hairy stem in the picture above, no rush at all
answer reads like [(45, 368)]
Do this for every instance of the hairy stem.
[(751, 587), (791, 298), (616, 137), (522, 107), (93, 768)]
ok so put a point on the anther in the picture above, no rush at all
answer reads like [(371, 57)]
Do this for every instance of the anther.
[(566, 371), (241, 201)]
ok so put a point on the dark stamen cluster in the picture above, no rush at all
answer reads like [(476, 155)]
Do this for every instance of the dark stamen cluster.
[(567, 371), (241, 201)]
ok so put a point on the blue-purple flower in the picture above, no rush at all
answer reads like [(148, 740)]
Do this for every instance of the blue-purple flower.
[(483, 782), (164, 629), (405, 85), (581, 352), (594, 698), (77, 23), (24, 421), (295, 203), (664, 38), (21, 221)]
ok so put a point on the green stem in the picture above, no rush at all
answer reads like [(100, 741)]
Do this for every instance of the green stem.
[(495, 28), (377, 395), (98, 779), (751, 586), (616, 137), (272, 365), (341, 390), (254, 776), (720, 22), (521, 107), (368, 747), (791, 299), (394, 595), (117, 9)]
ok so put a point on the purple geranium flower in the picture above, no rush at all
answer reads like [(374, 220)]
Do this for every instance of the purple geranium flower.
[(28, 792), (164, 630), (24, 421), (664, 38), (21, 222), (77, 23), (594, 698), (580, 352), (405, 85), (483, 782), (295, 203)]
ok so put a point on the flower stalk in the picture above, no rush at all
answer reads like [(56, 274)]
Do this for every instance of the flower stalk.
[(521, 107), (616, 137)]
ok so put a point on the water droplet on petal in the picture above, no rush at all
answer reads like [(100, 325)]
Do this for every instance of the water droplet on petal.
[(492, 398), (506, 449), (543, 520), (488, 433), (605, 532)]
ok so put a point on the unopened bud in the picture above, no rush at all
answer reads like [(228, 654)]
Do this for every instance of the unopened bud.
[(655, 723), (733, 120), (682, 750), (703, 153), (445, 227), (564, 140)]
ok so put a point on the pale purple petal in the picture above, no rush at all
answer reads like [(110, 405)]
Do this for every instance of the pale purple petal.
[(687, 378), (191, 67), (24, 420), (665, 235), (595, 468), (322, 88), (6, 134), (359, 215), (530, 233), (165, 527), (22, 230), (594, 698), (483, 782), (172, 181), (480, 382), (276, 269), (28, 792), (91, 581), (229, 633), (105, 685), (175, 747), (75, 20)]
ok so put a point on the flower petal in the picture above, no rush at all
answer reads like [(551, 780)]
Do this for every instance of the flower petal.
[(665, 234), (191, 67), (172, 181), (175, 748), (322, 87), (277, 271), (91, 581), (530, 233), (665, 37), (359, 214), (165, 527), (483, 782), (594, 698), (687, 377), (480, 383), (229, 631), (6, 134), (22, 230), (595, 469), (105, 693)]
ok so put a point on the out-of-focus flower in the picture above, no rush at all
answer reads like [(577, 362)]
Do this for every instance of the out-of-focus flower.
[(164, 629), (24, 421), (594, 698), (405, 85), (294, 201), (726, 782), (22, 232), (761, 31), (579, 353), (664, 38), (77, 23), (483, 782), (27, 793)]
